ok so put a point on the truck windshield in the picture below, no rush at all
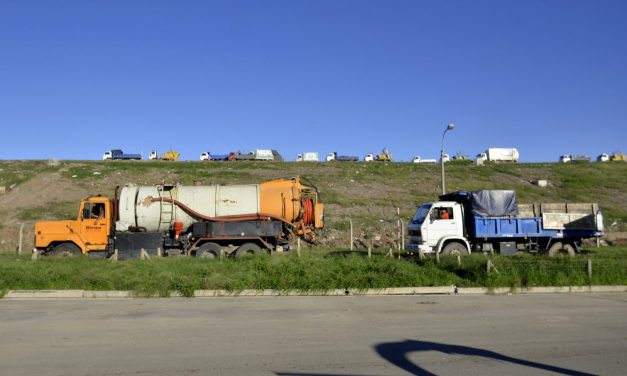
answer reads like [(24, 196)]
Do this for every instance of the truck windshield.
[(421, 214)]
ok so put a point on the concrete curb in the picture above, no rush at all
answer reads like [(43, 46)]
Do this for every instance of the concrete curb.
[(436, 290)]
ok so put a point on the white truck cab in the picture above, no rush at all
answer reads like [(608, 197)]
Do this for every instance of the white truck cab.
[(205, 156), (482, 157), (153, 155), (107, 155), (438, 227), (565, 158), (369, 157)]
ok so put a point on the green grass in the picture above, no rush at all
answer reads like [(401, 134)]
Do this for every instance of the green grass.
[(317, 270)]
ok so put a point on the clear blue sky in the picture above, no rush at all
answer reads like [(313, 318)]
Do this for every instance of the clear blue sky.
[(81, 77)]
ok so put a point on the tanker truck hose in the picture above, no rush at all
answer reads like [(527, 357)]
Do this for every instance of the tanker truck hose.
[(308, 212), (231, 218)]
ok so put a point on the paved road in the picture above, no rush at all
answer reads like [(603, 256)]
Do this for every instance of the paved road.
[(574, 334)]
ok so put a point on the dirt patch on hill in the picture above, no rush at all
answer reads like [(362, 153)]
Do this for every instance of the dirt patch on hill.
[(40, 191)]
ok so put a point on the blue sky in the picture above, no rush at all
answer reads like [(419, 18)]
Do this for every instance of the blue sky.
[(81, 77)]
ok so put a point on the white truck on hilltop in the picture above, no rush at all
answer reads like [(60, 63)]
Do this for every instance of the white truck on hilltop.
[(499, 155), (417, 159)]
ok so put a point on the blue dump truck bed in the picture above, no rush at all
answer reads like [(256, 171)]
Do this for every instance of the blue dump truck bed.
[(119, 154), (496, 214), (490, 227)]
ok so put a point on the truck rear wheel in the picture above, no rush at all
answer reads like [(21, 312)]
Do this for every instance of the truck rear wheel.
[(248, 249), (560, 249), (209, 251), (66, 250), (455, 248)]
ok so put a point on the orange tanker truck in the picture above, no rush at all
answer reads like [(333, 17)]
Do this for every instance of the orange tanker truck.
[(201, 221)]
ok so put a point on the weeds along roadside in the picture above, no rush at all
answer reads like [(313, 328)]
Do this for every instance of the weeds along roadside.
[(317, 270)]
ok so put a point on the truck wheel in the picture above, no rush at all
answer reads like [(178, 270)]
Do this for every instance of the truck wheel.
[(66, 250), (248, 249), (561, 249), (209, 250), (455, 248)]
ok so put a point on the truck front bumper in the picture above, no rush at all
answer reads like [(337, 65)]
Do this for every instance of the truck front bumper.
[(417, 248)]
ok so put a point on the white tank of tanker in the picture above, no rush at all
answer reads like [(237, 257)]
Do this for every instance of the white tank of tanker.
[(156, 208), (140, 206)]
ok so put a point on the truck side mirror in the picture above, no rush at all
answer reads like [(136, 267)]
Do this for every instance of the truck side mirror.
[(86, 213), (431, 217)]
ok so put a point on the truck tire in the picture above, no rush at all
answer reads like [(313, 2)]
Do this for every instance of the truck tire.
[(209, 251), (66, 250), (455, 248), (248, 249), (560, 249)]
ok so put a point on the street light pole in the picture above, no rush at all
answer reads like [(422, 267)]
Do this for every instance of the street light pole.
[(448, 128)]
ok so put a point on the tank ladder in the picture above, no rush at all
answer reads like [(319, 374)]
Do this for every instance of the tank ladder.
[(166, 215)]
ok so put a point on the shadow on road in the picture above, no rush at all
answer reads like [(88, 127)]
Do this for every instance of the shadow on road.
[(397, 354)]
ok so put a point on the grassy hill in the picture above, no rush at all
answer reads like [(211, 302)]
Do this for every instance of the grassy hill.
[(368, 193)]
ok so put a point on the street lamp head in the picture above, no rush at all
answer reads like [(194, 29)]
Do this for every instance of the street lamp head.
[(450, 127)]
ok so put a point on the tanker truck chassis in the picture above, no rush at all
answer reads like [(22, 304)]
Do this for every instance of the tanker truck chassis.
[(171, 220)]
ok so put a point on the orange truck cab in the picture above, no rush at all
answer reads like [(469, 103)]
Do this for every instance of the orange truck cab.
[(90, 232)]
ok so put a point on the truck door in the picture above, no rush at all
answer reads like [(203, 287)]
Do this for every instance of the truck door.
[(94, 225), (444, 222)]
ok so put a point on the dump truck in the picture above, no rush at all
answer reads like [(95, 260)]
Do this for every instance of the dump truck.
[(117, 154), (167, 156), (341, 158), (618, 156), (493, 221), (207, 156), (202, 221)]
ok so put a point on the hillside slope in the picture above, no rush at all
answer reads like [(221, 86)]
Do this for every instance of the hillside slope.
[(368, 193)]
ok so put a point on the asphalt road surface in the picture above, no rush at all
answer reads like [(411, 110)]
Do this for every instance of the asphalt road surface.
[(569, 334)]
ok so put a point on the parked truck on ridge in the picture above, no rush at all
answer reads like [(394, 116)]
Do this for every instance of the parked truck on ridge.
[(201, 221), (493, 221), (171, 155), (117, 154), (499, 155), (341, 158)]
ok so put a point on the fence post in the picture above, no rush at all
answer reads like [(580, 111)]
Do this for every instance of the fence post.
[(402, 234), (144, 255), (350, 222), (437, 257), (459, 260), (19, 247), (398, 230), (369, 251), (487, 267), (589, 267), (298, 246)]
